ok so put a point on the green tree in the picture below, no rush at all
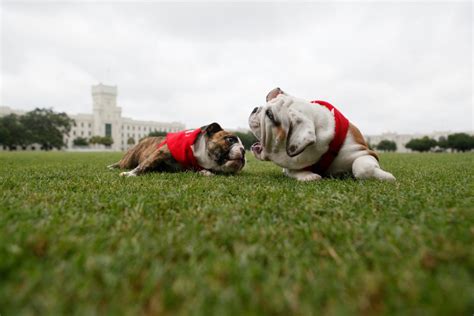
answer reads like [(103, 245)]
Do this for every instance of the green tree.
[(421, 144), (107, 141), (461, 142), (95, 140), (47, 127), (12, 132), (156, 134), (101, 140), (80, 141), (443, 143), (131, 141), (248, 139), (387, 145)]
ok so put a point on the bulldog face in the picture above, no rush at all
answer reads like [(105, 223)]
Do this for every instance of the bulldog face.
[(224, 148), (283, 129)]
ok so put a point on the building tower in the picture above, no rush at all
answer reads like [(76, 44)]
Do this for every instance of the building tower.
[(107, 115)]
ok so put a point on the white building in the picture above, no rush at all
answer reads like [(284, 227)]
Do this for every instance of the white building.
[(106, 120)]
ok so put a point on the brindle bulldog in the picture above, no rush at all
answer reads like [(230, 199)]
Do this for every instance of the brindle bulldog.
[(208, 150)]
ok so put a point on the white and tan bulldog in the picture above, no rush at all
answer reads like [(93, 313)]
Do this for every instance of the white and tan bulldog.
[(311, 139)]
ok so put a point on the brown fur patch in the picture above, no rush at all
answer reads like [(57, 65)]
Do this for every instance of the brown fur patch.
[(219, 138), (273, 94), (218, 146), (359, 139), (280, 134), (138, 153)]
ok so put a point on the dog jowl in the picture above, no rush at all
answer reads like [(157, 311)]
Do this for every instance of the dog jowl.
[(207, 150), (310, 139)]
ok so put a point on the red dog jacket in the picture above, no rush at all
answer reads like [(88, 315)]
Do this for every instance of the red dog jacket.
[(340, 132), (180, 144)]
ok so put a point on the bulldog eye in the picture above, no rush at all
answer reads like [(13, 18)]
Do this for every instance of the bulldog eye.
[(270, 115), (231, 140)]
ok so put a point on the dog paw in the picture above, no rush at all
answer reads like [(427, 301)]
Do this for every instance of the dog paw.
[(389, 177), (206, 173), (127, 174), (308, 177)]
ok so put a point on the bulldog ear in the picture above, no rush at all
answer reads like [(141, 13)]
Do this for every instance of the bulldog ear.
[(273, 94), (301, 133), (211, 129)]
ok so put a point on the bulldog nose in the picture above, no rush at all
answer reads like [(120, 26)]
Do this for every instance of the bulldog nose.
[(254, 110)]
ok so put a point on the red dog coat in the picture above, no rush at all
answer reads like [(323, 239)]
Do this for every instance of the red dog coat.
[(341, 128), (180, 144)]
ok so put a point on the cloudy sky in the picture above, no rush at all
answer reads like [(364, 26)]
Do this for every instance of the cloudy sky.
[(404, 67)]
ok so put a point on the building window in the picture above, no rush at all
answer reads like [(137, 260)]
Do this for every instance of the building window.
[(90, 133), (108, 130), (82, 124), (90, 125), (74, 133), (82, 133)]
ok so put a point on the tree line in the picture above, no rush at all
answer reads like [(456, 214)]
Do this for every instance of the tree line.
[(100, 140), (40, 126), (456, 142)]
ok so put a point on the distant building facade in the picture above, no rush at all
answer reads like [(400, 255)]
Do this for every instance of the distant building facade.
[(106, 120)]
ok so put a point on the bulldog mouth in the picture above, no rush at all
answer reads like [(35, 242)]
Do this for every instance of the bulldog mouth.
[(235, 164), (241, 160), (257, 148)]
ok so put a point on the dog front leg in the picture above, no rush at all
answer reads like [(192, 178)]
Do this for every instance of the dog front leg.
[(302, 175)]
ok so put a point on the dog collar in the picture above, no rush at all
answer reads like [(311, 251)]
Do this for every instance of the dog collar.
[(340, 132), (180, 146)]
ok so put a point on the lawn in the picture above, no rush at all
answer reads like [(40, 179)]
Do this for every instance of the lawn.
[(75, 238)]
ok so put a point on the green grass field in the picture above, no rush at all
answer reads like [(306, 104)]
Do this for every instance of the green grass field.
[(75, 238)]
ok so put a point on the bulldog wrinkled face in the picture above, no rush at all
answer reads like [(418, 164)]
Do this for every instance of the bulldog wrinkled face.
[(282, 129), (270, 128), (225, 149)]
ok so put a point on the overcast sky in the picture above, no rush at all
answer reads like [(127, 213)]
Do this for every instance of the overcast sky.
[(404, 67)]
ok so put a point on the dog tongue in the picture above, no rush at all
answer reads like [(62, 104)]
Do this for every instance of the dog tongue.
[(257, 147)]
